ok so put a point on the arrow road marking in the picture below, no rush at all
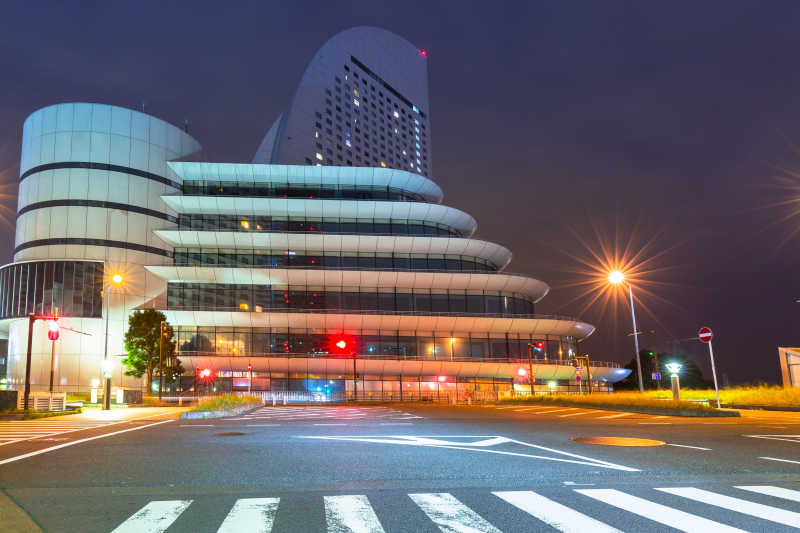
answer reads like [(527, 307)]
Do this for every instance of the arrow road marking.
[(476, 446)]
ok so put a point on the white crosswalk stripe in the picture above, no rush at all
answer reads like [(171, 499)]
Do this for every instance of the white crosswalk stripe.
[(12, 431), (777, 492), (299, 414), (355, 513), (765, 512), (251, 515), (451, 515), (155, 517), (350, 514), (656, 512), (553, 513)]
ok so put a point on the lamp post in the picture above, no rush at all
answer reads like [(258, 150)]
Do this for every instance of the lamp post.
[(674, 369), (615, 277), (107, 365)]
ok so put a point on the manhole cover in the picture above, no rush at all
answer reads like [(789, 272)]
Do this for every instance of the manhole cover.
[(229, 434), (618, 441)]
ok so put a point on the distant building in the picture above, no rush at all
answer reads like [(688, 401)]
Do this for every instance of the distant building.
[(280, 275), (790, 366)]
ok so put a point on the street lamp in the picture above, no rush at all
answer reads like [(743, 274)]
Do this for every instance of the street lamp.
[(108, 365), (616, 277), (674, 370)]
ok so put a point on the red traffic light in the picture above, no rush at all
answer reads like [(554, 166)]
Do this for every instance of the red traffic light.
[(52, 330), (341, 344), (249, 367), (206, 372)]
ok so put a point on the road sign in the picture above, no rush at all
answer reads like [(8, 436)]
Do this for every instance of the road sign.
[(705, 334), (656, 376)]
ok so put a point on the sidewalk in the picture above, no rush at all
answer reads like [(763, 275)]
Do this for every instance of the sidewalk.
[(131, 413)]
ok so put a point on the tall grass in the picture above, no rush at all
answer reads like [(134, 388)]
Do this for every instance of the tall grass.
[(771, 395), (227, 402), (618, 400)]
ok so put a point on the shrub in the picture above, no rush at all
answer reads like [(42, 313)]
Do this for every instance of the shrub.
[(227, 402)]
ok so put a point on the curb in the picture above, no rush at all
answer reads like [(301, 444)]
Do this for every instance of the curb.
[(642, 410), (762, 407), (220, 413)]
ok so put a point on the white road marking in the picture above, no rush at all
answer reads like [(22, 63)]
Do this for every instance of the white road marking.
[(254, 515), (615, 416), (553, 513), (686, 446), (451, 515), (488, 440), (777, 492), (21, 430), (554, 411), (658, 513), (331, 424), (262, 425), (787, 438), (781, 460), (765, 512), (351, 514), (155, 517), (576, 414), (80, 441)]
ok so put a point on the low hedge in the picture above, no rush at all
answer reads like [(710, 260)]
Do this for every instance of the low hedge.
[(633, 402)]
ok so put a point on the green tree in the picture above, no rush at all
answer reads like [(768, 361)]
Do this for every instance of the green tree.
[(142, 347), (691, 376)]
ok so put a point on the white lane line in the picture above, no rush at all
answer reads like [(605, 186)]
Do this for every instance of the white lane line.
[(576, 414), (553, 513), (656, 512), (351, 514), (80, 441), (451, 515), (765, 512), (554, 411), (769, 490), (155, 517), (781, 460), (615, 416), (686, 446), (254, 515)]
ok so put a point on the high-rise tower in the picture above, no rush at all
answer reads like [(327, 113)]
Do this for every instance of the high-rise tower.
[(362, 102)]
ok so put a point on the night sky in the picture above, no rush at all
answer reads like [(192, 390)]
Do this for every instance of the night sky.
[(550, 121)]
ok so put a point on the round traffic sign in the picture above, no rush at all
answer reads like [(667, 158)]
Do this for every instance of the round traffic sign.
[(705, 334)]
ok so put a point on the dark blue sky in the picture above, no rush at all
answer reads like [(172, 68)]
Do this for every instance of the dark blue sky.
[(548, 118)]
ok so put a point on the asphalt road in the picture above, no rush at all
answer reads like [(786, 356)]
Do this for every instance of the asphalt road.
[(404, 468)]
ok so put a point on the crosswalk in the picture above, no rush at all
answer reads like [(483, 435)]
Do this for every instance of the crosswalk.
[(569, 512), (302, 413), (12, 431), (585, 413)]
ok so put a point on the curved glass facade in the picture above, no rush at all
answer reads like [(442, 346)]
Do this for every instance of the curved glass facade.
[(74, 287), (268, 224), (216, 257), (265, 298), (299, 190), (227, 341)]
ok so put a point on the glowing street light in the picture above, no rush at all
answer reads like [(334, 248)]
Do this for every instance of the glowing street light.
[(617, 277), (674, 369), (117, 280)]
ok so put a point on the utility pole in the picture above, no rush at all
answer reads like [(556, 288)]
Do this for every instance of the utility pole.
[(161, 360), (655, 359)]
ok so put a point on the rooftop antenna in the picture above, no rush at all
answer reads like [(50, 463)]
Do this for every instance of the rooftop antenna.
[(143, 104), (186, 125)]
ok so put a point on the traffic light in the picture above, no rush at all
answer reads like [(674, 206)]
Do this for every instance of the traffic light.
[(341, 344), (249, 367), (52, 330), (205, 373), (538, 346)]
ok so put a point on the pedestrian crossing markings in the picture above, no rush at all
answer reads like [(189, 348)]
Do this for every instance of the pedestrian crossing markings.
[(354, 513), (18, 430)]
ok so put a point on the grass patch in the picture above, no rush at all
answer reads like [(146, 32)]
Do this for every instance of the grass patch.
[(771, 395), (227, 402), (620, 400), (40, 414)]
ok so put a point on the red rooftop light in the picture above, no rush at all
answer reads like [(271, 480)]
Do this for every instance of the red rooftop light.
[(423, 53)]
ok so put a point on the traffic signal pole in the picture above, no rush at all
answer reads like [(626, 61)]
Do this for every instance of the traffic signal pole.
[(27, 392)]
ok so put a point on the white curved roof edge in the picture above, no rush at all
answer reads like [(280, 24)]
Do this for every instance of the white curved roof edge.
[(533, 288), (307, 174), (498, 255), (354, 323), (304, 207), (331, 366)]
